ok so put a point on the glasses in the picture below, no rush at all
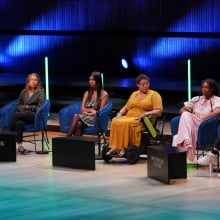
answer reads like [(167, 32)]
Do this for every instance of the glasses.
[(144, 84)]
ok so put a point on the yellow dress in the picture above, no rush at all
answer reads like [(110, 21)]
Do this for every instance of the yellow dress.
[(126, 130)]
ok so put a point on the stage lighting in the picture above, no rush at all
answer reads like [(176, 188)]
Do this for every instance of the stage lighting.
[(124, 63)]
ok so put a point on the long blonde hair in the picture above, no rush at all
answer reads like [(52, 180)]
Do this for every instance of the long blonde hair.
[(39, 86)]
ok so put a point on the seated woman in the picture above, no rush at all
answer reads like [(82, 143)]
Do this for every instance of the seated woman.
[(94, 99), (195, 111), (30, 99), (126, 127)]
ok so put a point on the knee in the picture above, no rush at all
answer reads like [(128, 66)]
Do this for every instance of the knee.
[(79, 125), (75, 117), (19, 124)]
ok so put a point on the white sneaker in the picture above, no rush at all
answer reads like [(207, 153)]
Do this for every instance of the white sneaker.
[(209, 158)]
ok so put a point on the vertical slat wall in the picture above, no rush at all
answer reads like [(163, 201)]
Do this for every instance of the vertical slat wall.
[(114, 15), (159, 35)]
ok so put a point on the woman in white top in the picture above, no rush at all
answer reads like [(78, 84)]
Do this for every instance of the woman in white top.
[(194, 112)]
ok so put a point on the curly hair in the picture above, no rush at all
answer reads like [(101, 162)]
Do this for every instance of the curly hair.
[(213, 85), (142, 76)]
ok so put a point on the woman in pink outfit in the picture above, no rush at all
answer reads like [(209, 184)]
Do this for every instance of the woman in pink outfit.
[(195, 111)]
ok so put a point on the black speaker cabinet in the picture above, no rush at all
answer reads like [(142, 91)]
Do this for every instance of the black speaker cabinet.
[(166, 162), (7, 146), (74, 152)]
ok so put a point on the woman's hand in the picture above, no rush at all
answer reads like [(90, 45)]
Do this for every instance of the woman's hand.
[(118, 115), (90, 112), (142, 116), (25, 107)]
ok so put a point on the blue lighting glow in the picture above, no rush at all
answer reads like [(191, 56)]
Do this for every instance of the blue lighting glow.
[(25, 45), (199, 19), (62, 17), (127, 82), (163, 51), (65, 27), (168, 48)]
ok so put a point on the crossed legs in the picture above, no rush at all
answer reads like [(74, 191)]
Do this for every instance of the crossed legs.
[(76, 126)]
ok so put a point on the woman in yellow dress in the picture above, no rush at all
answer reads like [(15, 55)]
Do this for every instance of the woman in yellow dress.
[(126, 127)]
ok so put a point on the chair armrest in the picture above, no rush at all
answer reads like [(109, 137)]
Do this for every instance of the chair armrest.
[(104, 115), (66, 115), (174, 125), (154, 116), (6, 112), (208, 131), (42, 113)]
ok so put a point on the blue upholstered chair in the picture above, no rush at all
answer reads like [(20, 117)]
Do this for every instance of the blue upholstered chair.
[(39, 124), (207, 133), (101, 125), (67, 112)]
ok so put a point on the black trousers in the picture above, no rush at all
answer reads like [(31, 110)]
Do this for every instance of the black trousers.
[(18, 120)]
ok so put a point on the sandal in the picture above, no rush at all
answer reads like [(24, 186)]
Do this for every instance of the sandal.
[(111, 151), (122, 153), (22, 150)]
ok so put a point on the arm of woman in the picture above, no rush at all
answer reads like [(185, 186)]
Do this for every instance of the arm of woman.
[(84, 110), (122, 112), (36, 101), (91, 111), (183, 109), (189, 105), (104, 100), (20, 104), (154, 112), (215, 112), (40, 99), (157, 105)]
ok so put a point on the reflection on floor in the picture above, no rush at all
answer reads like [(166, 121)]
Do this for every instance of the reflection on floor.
[(31, 188)]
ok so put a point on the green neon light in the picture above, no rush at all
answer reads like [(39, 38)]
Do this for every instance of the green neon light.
[(102, 77), (46, 77), (189, 80)]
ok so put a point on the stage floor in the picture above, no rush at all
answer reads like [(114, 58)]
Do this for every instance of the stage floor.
[(32, 188)]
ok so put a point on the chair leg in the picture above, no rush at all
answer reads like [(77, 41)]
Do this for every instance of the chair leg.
[(35, 144), (101, 136), (44, 137), (217, 169), (197, 157), (218, 160)]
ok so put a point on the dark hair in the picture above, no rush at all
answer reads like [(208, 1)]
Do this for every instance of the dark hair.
[(142, 76), (98, 79), (213, 85)]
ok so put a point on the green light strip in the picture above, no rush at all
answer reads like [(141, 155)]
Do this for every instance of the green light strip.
[(46, 77), (102, 77), (189, 79)]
